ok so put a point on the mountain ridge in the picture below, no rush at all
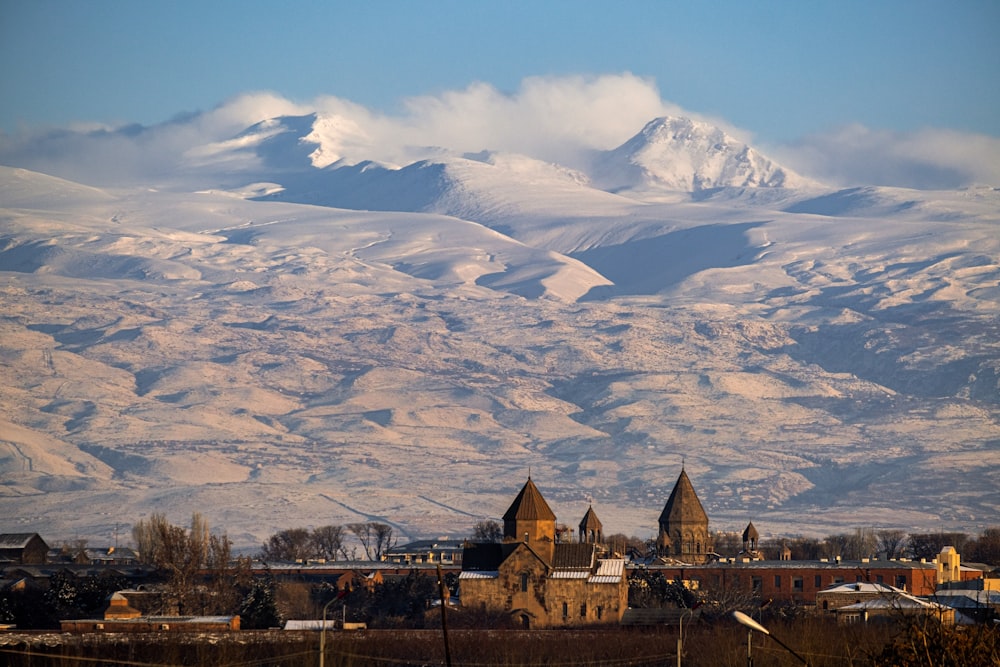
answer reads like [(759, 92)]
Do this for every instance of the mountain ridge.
[(818, 358)]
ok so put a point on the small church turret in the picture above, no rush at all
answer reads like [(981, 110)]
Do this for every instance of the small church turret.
[(750, 540), (591, 530)]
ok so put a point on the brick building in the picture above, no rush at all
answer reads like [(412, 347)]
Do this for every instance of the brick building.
[(801, 580)]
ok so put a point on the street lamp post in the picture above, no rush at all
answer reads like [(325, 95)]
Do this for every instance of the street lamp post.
[(322, 633), (743, 619), (680, 635)]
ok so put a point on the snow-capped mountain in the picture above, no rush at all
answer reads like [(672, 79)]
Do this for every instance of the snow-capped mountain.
[(670, 154), (281, 145), (684, 155), (309, 338)]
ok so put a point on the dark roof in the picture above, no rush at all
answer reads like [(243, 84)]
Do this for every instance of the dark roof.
[(590, 521), (750, 533), (529, 506), (683, 505), (17, 540), (427, 545), (486, 556), (573, 556)]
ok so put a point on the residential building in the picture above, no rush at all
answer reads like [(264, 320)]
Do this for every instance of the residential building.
[(842, 595), (443, 550), (23, 548), (894, 606)]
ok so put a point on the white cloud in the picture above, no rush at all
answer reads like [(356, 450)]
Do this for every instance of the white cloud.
[(130, 154), (548, 117), (558, 119), (923, 159)]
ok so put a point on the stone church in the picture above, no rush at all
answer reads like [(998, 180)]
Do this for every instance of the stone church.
[(542, 581), (539, 581)]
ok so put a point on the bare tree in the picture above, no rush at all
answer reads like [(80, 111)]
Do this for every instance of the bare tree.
[(328, 542), (727, 544), (836, 546), (292, 544), (891, 542), (228, 577), (806, 548), (861, 544), (179, 552), (986, 548), (487, 530), (929, 545), (384, 539), (375, 538), (630, 544), (363, 531)]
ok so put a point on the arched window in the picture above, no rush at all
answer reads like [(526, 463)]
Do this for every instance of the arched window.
[(524, 582)]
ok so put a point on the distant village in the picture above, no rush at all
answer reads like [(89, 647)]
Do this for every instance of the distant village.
[(526, 571)]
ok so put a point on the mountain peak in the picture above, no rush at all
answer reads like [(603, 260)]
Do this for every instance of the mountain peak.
[(682, 154), (284, 143)]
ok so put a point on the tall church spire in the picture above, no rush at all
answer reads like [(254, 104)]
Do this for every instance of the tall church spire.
[(684, 525)]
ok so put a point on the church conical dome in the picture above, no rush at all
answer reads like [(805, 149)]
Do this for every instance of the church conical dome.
[(683, 505), (530, 520), (529, 505)]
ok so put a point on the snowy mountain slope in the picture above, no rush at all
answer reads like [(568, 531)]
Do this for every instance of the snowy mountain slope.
[(436, 248), (271, 362), (674, 153)]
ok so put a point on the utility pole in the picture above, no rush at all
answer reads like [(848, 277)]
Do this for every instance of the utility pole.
[(444, 617)]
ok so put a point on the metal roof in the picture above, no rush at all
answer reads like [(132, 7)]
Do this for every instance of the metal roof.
[(609, 571), (570, 574), (862, 587), (478, 574), (902, 601), (610, 567), (427, 545)]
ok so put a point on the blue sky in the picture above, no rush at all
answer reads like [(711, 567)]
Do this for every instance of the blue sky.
[(848, 93), (778, 69)]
